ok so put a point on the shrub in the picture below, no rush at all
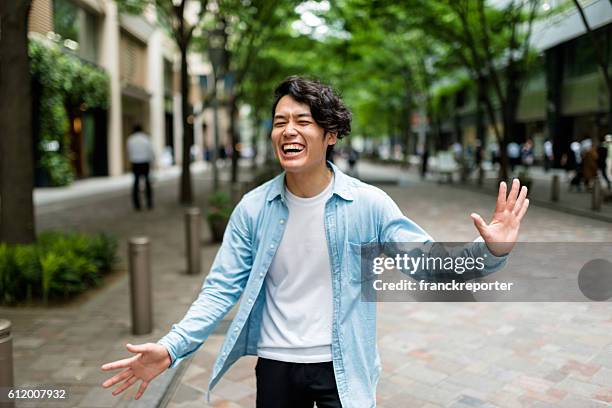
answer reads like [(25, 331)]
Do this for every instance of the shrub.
[(59, 266)]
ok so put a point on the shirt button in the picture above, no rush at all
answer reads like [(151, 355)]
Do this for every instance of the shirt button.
[(282, 221), (261, 274), (251, 300), (271, 246), (237, 329), (224, 354)]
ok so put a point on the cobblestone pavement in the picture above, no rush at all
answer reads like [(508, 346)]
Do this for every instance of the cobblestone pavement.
[(464, 354), (433, 354)]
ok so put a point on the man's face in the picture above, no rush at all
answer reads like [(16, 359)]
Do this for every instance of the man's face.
[(299, 142)]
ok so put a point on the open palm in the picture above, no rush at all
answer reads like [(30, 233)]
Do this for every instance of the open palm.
[(150, 361), (501, 233)]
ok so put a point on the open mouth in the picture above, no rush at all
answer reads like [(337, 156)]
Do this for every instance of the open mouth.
[(292, 149)]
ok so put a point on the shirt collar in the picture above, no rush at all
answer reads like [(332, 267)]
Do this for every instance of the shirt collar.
[(340, 185)]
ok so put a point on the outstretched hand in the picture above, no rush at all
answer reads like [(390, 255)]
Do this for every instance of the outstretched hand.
[(150, 361), (501, 233)]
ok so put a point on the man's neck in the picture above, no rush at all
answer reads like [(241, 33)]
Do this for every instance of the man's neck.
[(309, 184)]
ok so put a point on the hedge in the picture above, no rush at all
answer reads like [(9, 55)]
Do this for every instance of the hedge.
[(56, 268)]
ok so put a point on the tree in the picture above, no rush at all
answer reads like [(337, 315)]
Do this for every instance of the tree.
[(16, 150), (249, 27), (172, 15), (493, 45)]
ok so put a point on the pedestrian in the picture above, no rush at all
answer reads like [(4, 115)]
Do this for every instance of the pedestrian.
[(513, 150), (602, 161), (142, 157), (548, 155), (589, 165), (291, 253), (424, 162), (353, 156)]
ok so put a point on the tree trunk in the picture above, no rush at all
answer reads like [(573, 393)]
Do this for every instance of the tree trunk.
[(16, 150), (186, 185), (235, 136)]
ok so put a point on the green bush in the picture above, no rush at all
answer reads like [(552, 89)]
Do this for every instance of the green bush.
[(59, 266), (220, 206)]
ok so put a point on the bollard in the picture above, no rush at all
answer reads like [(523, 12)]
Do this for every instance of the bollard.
[(140, 285), (596, 197), (6, 362), (555, 188), (193, 222)]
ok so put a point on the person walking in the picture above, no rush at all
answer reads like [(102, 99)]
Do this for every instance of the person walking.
[(291, 253), (602, 161), (142, 157)]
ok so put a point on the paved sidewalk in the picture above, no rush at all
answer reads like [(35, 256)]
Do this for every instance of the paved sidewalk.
[(463, 355), (64, 347), (570, 200), (433, 355)]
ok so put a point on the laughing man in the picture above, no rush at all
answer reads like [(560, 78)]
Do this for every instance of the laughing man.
[(291, 251)]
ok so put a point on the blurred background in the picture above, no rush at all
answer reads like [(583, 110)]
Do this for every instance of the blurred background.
[(448, 98)]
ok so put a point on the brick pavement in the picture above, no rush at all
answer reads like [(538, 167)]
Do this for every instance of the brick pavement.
[(433, 354), (65, 346), (464, 354)]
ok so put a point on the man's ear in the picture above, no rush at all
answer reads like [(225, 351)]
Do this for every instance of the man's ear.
[(332, 138)]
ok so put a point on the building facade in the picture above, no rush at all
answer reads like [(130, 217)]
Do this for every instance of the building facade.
[(142, 63)]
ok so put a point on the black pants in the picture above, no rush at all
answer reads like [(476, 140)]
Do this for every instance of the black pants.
[(141, 170), (295, 385)]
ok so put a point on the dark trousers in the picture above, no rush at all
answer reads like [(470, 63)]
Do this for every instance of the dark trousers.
[(295, 385), (141, 170)]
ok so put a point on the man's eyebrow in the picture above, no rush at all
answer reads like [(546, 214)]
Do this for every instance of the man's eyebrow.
[(299, 115)]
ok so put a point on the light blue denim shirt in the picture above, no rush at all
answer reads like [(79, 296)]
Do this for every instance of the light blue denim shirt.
[(356, 213)]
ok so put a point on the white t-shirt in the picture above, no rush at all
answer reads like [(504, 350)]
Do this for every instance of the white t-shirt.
[(297, 316), (140, 149)]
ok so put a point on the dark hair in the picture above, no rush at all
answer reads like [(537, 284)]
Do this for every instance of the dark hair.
[(137, 128), (326, 107)]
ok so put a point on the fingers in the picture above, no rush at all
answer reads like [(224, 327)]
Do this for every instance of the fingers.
[(128, 383), (521, 199), (126, 362), (117, 378), (137, 348), (142, 389), (523, 210), (479, 223), (514, 191), (501, 197)]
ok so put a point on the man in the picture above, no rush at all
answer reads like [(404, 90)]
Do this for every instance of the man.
[(602, 161), (291, 250), (142, 156)]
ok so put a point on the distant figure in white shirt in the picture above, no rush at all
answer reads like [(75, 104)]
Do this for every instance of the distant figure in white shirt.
[(141, 155)]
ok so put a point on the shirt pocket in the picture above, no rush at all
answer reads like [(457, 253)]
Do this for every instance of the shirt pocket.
[(358, 257)]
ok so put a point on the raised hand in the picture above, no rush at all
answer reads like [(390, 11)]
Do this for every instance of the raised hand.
[(150, 361), (501, 233)]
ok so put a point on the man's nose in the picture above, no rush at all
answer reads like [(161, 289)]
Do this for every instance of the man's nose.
[(290, 130)]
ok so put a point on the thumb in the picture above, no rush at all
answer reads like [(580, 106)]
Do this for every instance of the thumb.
[(479, 223), (137, 348)]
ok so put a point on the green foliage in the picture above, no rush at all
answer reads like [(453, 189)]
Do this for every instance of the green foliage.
[(220, 206), (58, 266), (63, 82)]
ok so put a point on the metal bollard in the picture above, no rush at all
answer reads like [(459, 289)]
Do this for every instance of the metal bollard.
[(6, 361), (193, 223), (555, 188), (596, 197), (140, 285)]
